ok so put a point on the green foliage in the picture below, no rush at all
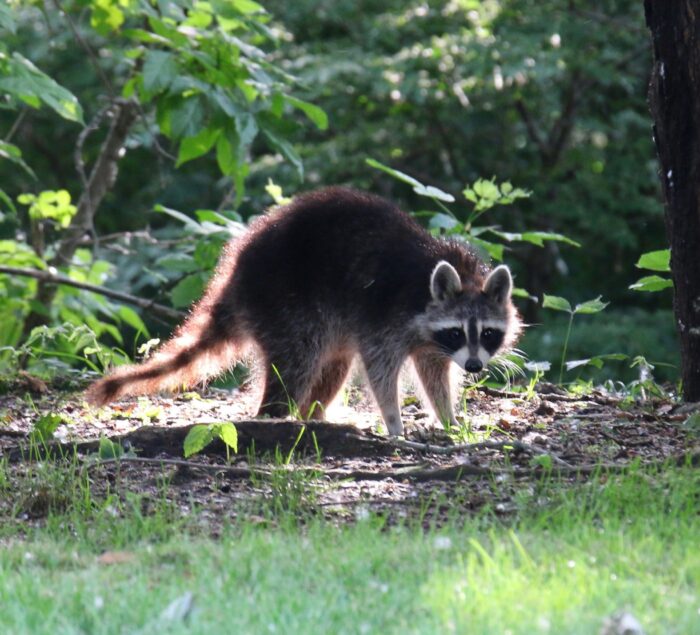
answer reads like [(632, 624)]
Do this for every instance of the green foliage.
[(50, 205), (23, 82), (44, 428), (201, 435), (659, 260), (62, 350), (622, 331), (483, 195), (549, 93)]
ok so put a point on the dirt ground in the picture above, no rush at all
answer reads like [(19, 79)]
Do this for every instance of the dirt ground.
[(345, 469)]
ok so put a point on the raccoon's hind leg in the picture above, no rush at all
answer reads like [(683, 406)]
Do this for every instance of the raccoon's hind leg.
[(383, 367), (326, 386), (434, 373), (289, 376)]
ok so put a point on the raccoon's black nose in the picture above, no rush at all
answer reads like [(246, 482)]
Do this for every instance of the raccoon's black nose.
[(473, 365)]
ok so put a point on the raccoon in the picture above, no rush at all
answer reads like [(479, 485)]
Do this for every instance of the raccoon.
[(335, 274)]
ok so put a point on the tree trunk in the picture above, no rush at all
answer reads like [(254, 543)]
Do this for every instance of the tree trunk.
[(674, 100)]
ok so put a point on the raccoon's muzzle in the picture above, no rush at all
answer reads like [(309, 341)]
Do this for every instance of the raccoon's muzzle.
[(473, 365)]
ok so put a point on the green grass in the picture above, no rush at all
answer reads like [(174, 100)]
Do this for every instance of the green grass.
[(571, 559)]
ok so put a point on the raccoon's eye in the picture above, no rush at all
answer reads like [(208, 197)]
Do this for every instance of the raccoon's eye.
[(454, 334), (491, 339), (450, 339)]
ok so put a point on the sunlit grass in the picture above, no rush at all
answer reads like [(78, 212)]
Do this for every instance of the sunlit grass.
[(572, 559)]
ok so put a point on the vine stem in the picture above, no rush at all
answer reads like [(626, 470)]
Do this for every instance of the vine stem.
[(566, 346)]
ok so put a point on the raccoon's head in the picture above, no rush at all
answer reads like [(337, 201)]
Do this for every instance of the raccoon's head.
[(471, 326)]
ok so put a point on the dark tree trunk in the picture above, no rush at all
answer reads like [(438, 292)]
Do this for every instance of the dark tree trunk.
[(674, 99)]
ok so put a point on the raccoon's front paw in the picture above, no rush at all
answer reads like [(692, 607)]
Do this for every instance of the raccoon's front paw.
[(394, 425)]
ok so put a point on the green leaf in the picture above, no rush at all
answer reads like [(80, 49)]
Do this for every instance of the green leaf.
[(45, 427), (651, 283), (395, 173), (433, 192), (6, 18), (183, 218), (106, 16), (314, 113), (494, 250), (189, 289), (108, 449), (198, 145), (544, 461), (286, 149), (443, 221), (246, 127), (577, 363), (186, 118), (50, 204), (198, 438), (519, 292), (25, 81), (556, 303), (159, 70), (591, 306), (4, 198), (12, 153), (598, 360), (538, 237), (225, 155), (247, 6), (656, 260), (538, 367), (133, 319), (486, 189), (228, 434)]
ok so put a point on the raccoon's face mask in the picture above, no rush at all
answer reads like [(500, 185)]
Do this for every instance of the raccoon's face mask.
[(470, 328)]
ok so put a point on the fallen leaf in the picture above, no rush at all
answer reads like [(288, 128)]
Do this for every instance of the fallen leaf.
[(116, 557)]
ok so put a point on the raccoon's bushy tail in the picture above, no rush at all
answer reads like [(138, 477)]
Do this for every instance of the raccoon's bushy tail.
[(202, 347), (191, 357)]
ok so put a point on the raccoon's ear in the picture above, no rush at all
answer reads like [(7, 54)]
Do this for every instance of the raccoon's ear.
[(444, 281), (499, 284)]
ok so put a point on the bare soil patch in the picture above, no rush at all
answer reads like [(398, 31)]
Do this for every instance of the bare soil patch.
[(344, 469)]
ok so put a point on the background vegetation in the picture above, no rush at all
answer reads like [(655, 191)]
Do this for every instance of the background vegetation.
[(548, 95)]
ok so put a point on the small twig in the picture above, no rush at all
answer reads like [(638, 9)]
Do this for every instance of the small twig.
[(15, 125), (56, 278), (82, 137)]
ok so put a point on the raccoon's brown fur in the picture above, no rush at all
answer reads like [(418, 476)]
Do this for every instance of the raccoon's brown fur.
[(333, 274)]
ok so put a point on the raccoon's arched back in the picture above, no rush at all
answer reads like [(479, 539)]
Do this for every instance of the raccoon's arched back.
[(345, 250)]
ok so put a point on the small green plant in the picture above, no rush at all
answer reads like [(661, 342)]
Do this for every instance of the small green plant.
[(45, 427), (557, 303), (538, 369), (201, 435)]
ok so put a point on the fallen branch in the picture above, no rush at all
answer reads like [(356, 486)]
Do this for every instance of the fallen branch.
[(429, 448), (48, 277), (448, 473)]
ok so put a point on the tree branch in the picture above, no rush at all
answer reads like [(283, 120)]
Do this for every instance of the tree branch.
[(49, 278), (102, 177)]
